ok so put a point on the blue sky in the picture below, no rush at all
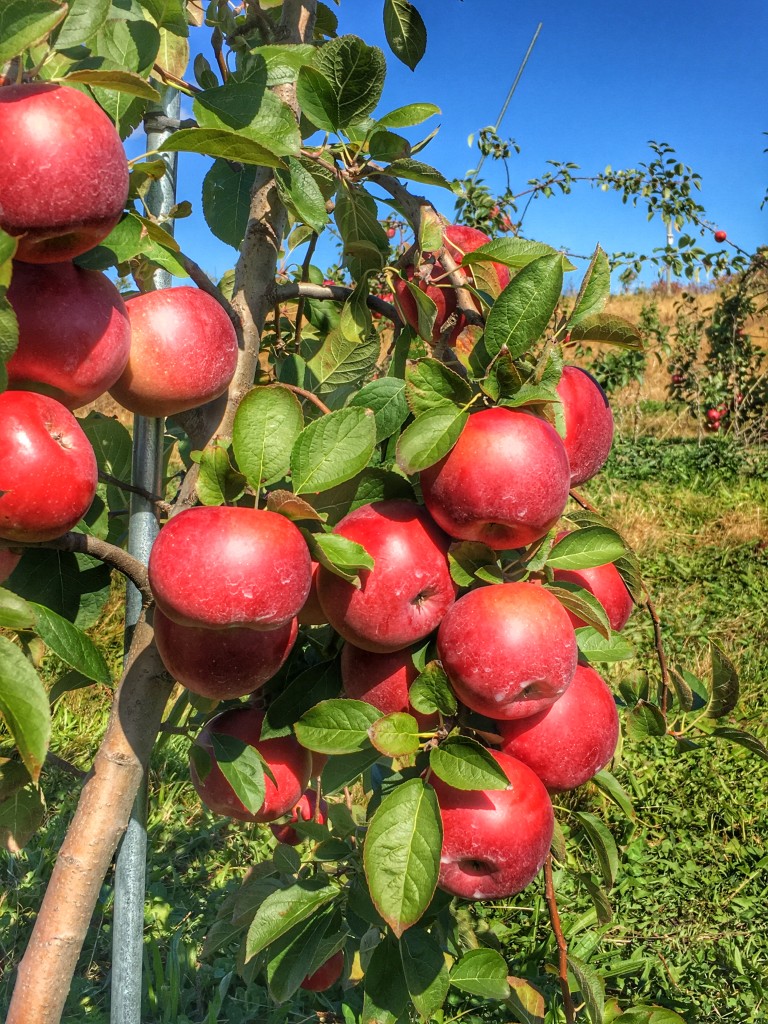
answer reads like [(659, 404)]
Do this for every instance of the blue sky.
[(603, 79)]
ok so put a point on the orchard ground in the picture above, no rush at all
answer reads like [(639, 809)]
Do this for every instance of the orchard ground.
[(692, 890)]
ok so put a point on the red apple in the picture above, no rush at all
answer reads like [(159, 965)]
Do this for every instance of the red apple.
[(382, 680), (325, 975), (65, 175), (713, 415), (74, 335), (588, 423), (48, 471), (509, 649), (8, 562), (605, 582), (220, 566), (505, 482), (569, 742), (404, 597), (289, 762), (222, 664), (304, 810), (720, 236), (183, 352), (494, 841)]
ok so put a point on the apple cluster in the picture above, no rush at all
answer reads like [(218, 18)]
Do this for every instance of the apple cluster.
[(158, 353)]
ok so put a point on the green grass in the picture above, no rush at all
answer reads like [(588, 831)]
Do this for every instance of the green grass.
[(689, 927)]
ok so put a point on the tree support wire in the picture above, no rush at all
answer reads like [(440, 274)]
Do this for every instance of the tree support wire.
[(146, 475)]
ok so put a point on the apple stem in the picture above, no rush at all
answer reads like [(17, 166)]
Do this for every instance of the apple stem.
[(562, 947)]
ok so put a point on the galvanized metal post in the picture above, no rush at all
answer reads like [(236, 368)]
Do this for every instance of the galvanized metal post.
[(130, 867)]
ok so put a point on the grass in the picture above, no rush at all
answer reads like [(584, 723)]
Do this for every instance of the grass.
[(689, 928)]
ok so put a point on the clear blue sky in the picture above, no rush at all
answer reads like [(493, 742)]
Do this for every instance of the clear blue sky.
[(602, 80)]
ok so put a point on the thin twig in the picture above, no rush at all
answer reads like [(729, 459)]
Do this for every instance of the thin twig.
[(168, 79), (337, 292), (304, 280), (308, 395), (66, 766), (562, 948), (205, 284), (163, 506)]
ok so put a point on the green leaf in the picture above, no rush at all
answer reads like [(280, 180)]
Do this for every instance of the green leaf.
[(251, 111), (227, 200), (340, 555), (344, 770), (219, 143), (75, 586), (607, 327), (425, 971), (645, 720), (596, 648), (316, 98), (282, 910), (725, 684), (482, 972), (267, 423), (385, 398), (405, 31), (583, 604), (430, 691), (117, 81), (430, 384), (466, 764), (9, 337), (284, 62), (125, 240), (301, 194), (366, 246), (629, 570), (522, 311), (411, 114), (384, 146), (429, 438), (319, 683), (342, 361), (21, 814), (612, 788), (356, 73), (595, 289), (743, 739), (15, 612), (24, 706), (373, 484), (298, 953), (26, 22), (415, 170), (355, 321), (112, 445), (337, 726), (513, 252), (218, 483), (72, 645), (590, 986), (242, 767), (426, 310), (84, 18), (386, 993), (332, 449), (470, 561), (603, 844), (395, 735), (401, 856)]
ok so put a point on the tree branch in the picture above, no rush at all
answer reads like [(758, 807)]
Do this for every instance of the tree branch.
[(562, 948), (336, 292), (205, 284)]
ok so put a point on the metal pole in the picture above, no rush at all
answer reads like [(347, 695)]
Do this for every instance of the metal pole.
[(130, 866)]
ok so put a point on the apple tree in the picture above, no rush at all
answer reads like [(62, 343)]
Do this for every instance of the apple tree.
[(383, 598)]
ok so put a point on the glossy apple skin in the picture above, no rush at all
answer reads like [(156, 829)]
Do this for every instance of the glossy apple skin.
[(505, 482), (404, 597), (183, 352), (494, 841), (325, 975), (289, 762), (304, 810), (509, 649), (74, 334), (65, 175), (382, 680), (569, 742), (220, 566), (222, 664), (605, 582), (588, 423), (47, 468)]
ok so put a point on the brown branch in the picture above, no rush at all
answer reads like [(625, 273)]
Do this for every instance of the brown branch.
[(310, 397), (562, 948), (107, 478), (335, 292), (581, 500), (46, 970), (205, 284), (168, 79)]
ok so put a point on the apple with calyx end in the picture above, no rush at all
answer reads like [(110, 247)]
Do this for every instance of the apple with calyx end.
[(605, 582), (458, 240), (305, 810), (383, 681), (494, 841), (48, 472), (222, 664), (220, 566), (289, 762), (404, 597), (566, 744), (504, 483), (509, 649), (588, 423), (183, 352), (74, 335), (325, 975), (65, 174)]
